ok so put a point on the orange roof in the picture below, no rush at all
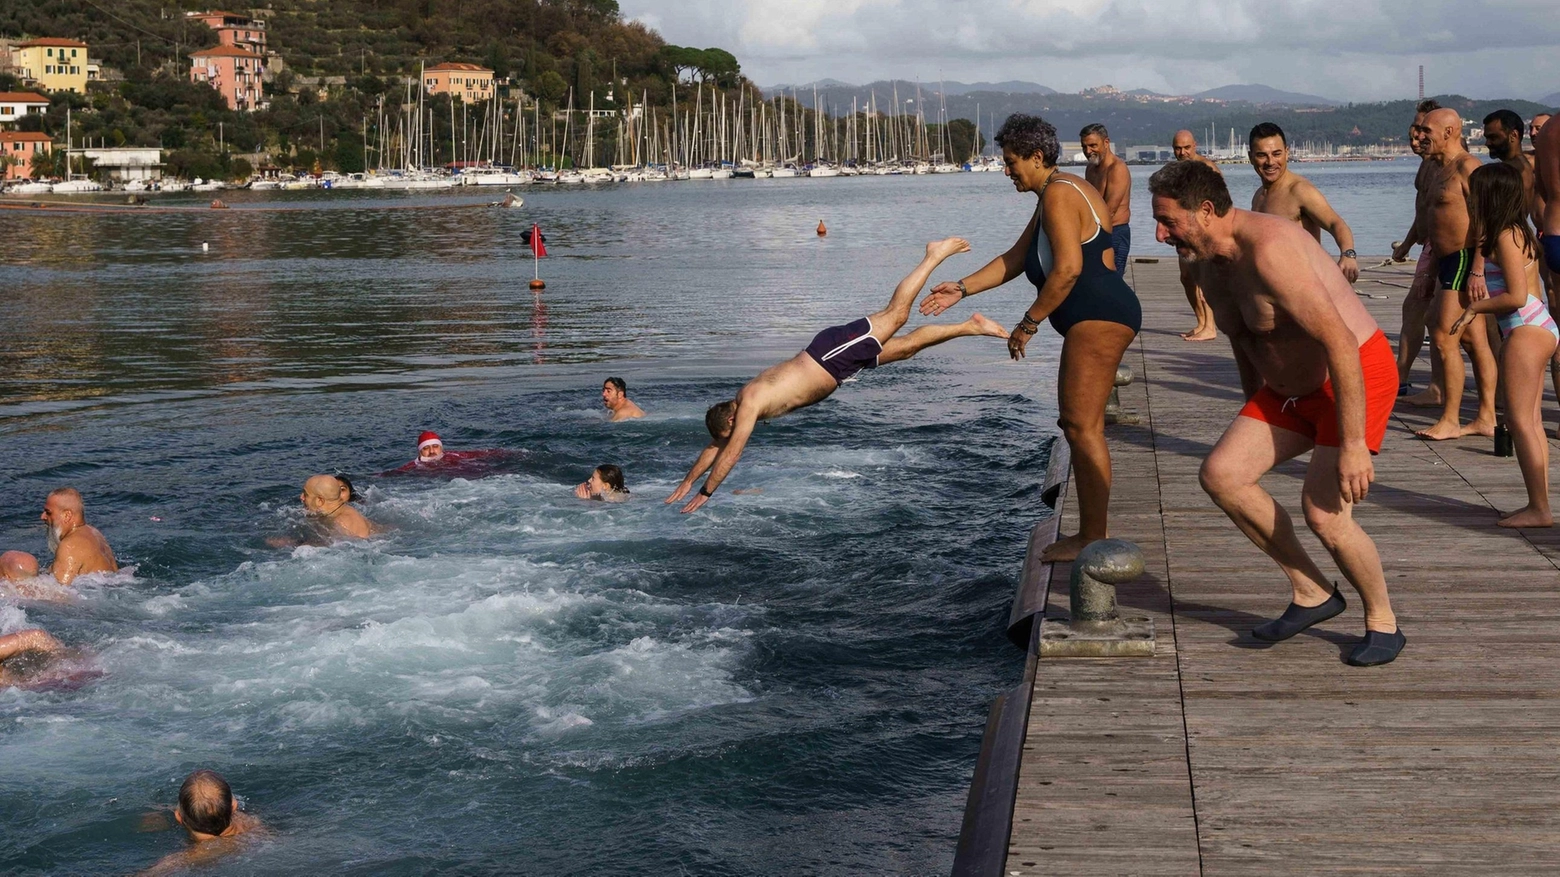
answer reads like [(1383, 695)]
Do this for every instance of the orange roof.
[(52, 41), (22, 97), (24, 137), (224, 52), (456, 65)]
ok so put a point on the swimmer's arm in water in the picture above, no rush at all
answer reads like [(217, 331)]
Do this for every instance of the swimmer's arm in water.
[(702, 464), (31, 640), (209, 851), (726, 460)]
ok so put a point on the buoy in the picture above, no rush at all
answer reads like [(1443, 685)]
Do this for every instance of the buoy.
[(205, 247), (538, 284), (821, 229), (218, 205)]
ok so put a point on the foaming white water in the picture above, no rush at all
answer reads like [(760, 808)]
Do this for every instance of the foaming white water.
[(12, 619)]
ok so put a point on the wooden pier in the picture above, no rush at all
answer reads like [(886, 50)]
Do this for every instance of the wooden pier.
[(1223, 755)]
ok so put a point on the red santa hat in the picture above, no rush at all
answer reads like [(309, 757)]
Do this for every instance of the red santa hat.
[(429, 438)]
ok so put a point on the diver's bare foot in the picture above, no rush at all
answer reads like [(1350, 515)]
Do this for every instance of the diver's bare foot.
[(984, 325), (1065, 549), (1440, 431), (1485, 428), (946, 247), (1527, 516), (1207, 334), (1426, 398)]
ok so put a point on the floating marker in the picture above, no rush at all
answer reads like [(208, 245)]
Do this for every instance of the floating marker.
[(538, 283), (205, 247), (822, 230)]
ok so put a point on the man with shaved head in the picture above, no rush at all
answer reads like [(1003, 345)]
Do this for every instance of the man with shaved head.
[(1447, 227), (18, 566), (209, 812), (1287, 194), (79, 549), (325, 498), (1185, 146), (1534, 127), (1108, 174)]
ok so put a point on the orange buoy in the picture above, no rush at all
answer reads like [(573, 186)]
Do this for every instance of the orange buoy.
[(821, 229), (218, 205), (538, 283)]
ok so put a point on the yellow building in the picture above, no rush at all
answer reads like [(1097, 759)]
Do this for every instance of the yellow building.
[(51, 63)]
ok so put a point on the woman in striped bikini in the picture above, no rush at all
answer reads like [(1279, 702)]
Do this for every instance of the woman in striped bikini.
[(1497, 204)]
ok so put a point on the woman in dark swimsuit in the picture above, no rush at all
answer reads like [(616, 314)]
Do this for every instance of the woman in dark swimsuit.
[(1065, 252)]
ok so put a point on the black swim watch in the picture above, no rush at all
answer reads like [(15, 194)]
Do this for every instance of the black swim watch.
[(705, 491), (1348, 254)]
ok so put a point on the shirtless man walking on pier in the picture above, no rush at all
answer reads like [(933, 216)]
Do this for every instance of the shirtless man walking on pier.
[(1293, 197), (1319, 376), (1185, 146), (1108, 174), (833, 357), (1421, 290), (1446, 227)]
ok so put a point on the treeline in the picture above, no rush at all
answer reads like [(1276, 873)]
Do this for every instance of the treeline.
[(346, 64)]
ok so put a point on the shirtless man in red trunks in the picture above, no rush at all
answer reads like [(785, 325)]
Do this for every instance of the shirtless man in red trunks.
[(1318, 375)]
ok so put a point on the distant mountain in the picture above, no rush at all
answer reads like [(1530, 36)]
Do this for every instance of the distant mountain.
[(884, 86), (1552, 100), (1264, 94), (1146, 92)]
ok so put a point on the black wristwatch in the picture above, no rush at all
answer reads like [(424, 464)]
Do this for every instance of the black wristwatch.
[(705, 491), (1348, 254)]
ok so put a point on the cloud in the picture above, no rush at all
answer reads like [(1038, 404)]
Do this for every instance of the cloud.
[(1366, 50)]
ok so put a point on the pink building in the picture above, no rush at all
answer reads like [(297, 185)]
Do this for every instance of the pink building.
[(233, 29), (234, 71), (22, 147)]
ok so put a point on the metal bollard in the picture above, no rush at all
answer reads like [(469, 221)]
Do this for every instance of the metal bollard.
[(1113, 412), (1097, 629)]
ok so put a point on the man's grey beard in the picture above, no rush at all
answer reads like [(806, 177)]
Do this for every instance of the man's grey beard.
[(1094, 160), (53, 537)]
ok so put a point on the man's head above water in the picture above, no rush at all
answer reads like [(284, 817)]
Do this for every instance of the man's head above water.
[(18, 566), (430, 448), (206, 805)]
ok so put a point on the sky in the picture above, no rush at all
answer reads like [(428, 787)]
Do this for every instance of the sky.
[(1363, 50)]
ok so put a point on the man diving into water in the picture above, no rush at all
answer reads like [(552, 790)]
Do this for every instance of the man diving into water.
[(834, 355)]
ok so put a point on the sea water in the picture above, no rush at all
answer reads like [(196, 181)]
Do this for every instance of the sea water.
[(792, 681)]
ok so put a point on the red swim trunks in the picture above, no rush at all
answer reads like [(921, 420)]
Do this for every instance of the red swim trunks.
[(1315, 415)]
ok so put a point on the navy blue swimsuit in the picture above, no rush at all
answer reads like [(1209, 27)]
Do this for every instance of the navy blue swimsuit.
[(1099, 294)]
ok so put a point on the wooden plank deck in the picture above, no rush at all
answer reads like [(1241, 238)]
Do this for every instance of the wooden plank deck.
[(1226, 756)]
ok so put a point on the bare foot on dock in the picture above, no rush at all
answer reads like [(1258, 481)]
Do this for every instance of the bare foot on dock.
[(1430, 397), (1207, 334), (1485, 428), (984, 325), (1440, 431), (1064, 549), (1527, 516)]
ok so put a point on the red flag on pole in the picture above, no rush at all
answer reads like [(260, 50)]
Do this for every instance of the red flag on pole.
[(537, 242)]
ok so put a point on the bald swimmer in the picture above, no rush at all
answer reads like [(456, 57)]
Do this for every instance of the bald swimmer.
[(18, 566), (1185, 146), (209, 813), (79, 549), (325, 498)]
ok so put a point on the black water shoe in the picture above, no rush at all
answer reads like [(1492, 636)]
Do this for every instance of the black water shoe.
[(1377, 648), (1297, 618)]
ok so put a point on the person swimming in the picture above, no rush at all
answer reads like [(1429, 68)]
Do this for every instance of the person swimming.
[(433, 459), (209, 813), (605, 483)]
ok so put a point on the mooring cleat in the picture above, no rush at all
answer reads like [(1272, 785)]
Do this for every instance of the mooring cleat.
[(1297, 618)]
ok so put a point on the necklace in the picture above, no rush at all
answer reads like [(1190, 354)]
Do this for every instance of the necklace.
[(1047, 184)]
